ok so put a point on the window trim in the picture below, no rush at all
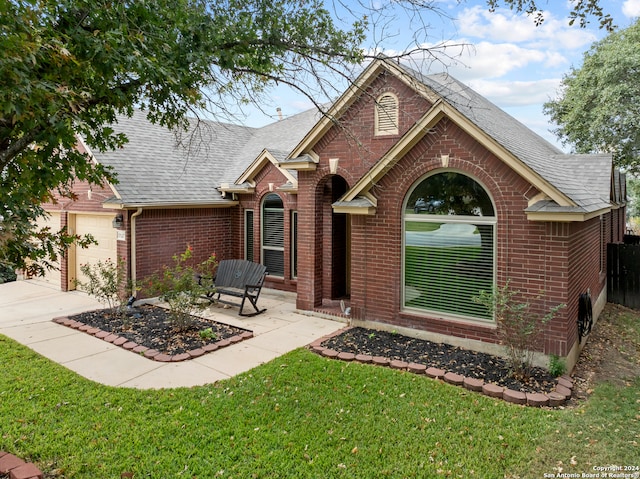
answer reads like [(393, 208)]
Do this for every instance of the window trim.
[(264, 247), (249, 228), (449, 219), (293, 244)]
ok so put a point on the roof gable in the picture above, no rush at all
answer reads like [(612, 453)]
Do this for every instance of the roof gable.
[(531, 156), (246, 180), (350, 96)]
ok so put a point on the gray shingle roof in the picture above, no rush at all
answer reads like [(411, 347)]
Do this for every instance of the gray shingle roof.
[(279, 138), (159, 167), (585, 179)]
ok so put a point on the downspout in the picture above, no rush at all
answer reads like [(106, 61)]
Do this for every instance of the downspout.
[(133, 245)]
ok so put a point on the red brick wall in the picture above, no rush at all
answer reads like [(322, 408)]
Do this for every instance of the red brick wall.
[(552, 261), (160, 234), (353, 142)]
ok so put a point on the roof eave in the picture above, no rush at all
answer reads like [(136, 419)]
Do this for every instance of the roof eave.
[(170, 206), (306, 162), (363, 205), (355, 210), (237, 189), (565, 216)]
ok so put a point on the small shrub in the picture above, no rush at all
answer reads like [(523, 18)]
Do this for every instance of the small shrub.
[(519, 329), (207, 334), (107, 282), (557, 366), (7, 273), (179, 287)]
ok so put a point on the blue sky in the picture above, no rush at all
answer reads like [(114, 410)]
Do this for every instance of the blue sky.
[(505, 57)]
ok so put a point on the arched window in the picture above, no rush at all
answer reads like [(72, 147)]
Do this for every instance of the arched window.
[(273, 234), (386, 115), (449, 246)]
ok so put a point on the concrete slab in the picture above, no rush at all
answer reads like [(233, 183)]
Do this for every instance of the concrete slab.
[(175, 375), (27, 307), (280, 341), (113, 367), (35, 332), (72, 347), (238, 358)]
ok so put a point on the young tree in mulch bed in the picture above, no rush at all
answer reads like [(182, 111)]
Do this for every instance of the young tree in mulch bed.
[(178, 285), (519, 328)]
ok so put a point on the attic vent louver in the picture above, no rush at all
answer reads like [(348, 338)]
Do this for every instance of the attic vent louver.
[(387, 114)]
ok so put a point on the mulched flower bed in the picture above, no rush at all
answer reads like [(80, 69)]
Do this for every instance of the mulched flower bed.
[(150, 326), (490, 369)]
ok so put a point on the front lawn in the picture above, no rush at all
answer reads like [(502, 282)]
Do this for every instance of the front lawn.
[(301, 416)]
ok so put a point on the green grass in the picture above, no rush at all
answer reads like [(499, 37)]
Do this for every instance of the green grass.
[(301, 416), (606, 429)]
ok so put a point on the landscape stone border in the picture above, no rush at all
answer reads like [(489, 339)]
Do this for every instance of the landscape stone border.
[(149, 353), (15, 468), (555, 398)]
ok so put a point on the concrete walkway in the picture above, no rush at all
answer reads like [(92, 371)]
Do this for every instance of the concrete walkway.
[(27, 308)]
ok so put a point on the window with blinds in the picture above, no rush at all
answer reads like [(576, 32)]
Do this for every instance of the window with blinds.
[(248, 235), (273, 234), (386, 121), (449, 246)]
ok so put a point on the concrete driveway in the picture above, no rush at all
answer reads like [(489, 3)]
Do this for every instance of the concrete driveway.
[(27, 308)]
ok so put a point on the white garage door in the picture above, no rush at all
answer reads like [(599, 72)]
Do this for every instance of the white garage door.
[(51, 277), (100, 227)]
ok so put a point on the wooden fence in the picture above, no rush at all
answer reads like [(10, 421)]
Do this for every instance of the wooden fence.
[(623, 274)]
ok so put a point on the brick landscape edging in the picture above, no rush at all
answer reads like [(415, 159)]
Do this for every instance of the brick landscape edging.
[(16, 468), (558, 397), (149, 353)]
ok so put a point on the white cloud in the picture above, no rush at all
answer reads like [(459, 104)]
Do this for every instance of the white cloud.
[(503, 26), (467, 61), (631, 8), (506, 26), (517, 93)]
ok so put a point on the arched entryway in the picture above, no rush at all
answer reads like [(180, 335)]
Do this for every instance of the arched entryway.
[(324, 242), (340, 263)]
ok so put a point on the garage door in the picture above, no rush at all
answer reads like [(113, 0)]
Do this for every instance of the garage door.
[(100, 227), (51, 277)]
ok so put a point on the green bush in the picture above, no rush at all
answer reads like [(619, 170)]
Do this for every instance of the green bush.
[(107, 282), (7, 274), (557, 366)]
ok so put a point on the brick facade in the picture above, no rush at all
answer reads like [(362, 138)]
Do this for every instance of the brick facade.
[(359, 257), (160, 234), (553, 261)]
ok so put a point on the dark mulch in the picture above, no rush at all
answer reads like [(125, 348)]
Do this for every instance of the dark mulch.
[(151, 327), (467, 363)]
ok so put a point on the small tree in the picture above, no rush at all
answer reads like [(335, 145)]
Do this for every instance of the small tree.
[(107, 282), (179, 286), (519, 329)]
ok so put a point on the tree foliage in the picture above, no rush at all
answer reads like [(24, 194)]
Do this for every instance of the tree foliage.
[(69, 67), (599, 105), (582, 11)]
